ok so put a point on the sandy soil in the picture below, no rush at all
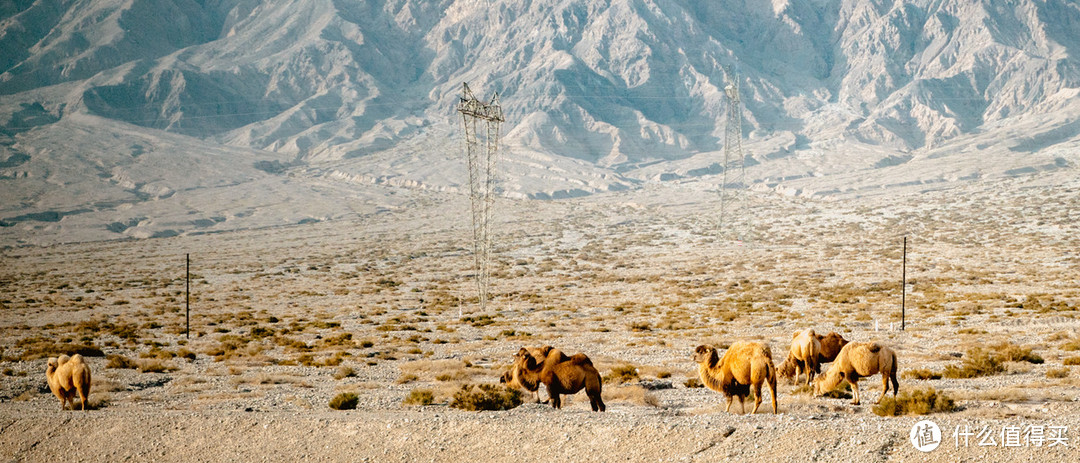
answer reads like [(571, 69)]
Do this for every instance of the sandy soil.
[(383, 305)]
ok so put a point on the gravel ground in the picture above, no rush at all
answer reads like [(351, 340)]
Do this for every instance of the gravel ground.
[(632, 278)]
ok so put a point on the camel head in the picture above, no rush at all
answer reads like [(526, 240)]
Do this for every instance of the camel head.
[(54, 363), (706, 355), (524, 360)]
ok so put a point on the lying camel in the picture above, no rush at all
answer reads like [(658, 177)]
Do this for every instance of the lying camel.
[(745, 364), (803, 356), (563, 375), (858, 360), (66, 377), (522, 378), (830, 346)]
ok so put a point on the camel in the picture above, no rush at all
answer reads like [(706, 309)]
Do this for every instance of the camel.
[(830, 346), (563, 375), (858, 360), (803, 356), (745, 364), (66, 377), (521, 378)]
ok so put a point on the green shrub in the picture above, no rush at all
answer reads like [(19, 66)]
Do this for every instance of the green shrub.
[(344, 401), (486, 397), (915, 402)]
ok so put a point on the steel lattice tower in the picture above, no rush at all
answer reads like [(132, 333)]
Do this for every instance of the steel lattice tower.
[(481, 160), (734, 213)]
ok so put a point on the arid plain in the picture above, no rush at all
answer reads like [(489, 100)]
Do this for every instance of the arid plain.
[(383, 305)]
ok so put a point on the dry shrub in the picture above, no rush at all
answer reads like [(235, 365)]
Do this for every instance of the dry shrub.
[(153, 366), (406, 378), (921, 401), (420, 397), (1071, 361), (486, 397), (344, 372), (921, 373), (693, 383), (633, 394), (344, 401), (622, 374), (1057, 373), (119, 361), (1010, 352), (39, 347), (977, 362)]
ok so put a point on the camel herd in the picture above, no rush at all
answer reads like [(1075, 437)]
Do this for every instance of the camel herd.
[(745, 367)]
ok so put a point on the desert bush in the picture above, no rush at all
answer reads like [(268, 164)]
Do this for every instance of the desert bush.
[(344, 372), (486, 397), (622, 374), (344, 401), (420, 397), (153, 366), (921, 373), (406, 378), (1071, 361), (977, 362), (633, 394), (1057, 373), (119, 361), (1010, 352), (921, 401), (693, 383)]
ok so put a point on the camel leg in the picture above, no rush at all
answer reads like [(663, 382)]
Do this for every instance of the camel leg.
[(82, 396), (757, 398), (729, 399), (556, 402), (742, 404), (854, 391)]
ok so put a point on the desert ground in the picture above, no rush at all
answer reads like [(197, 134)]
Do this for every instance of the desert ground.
[(383, 305)]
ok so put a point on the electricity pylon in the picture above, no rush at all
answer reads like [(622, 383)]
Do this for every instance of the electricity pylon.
[(481, 159), (734, 213)]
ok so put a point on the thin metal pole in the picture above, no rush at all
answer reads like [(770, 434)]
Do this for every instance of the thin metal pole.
[(903, 289), (187, 296)]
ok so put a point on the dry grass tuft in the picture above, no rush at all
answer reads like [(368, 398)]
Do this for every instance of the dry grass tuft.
[(1057, 373), (977, 362), (632, 394), (921, 373), (344, 401), (622, 374), (420, 397)]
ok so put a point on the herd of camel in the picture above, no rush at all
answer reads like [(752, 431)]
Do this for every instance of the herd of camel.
[(746, 365)]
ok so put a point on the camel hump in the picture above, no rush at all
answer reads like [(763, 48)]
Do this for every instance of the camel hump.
[(580, 359), (76, 359), (874, 347), (63, 359), (810, 332)]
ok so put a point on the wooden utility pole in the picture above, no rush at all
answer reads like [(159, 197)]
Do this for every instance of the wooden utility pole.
[(903, 288), (187, 296)]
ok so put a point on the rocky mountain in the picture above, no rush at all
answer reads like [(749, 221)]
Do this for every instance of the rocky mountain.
[(598, 95)]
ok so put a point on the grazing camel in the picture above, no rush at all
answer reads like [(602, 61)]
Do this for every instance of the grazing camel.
[(858, 360), (830, 346), (522, 378), (66, 377), (563, 375), (744, 365), (803, 356)]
